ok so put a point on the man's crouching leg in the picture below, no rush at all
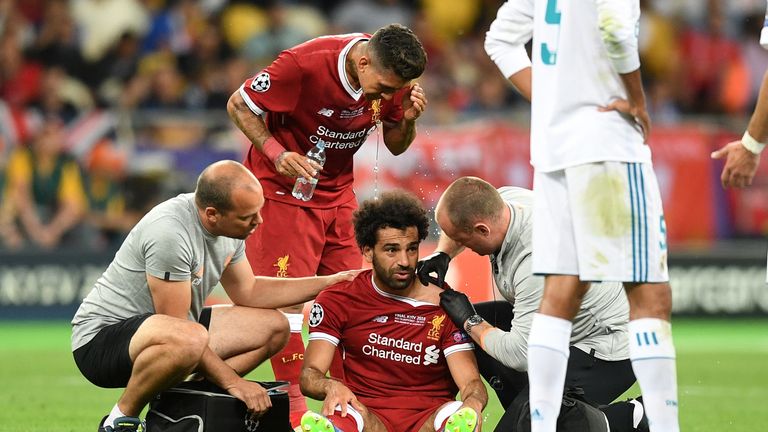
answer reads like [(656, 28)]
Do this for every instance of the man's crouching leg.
[(245, 337), (163, 350)]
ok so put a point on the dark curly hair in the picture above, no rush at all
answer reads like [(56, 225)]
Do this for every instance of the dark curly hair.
[(396, 209), (398, 49)]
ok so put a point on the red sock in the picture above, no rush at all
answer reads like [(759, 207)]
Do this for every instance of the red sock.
[(346, 424), (287, 366)]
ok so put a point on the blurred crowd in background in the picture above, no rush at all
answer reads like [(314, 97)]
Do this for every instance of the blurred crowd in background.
[(104, 102)]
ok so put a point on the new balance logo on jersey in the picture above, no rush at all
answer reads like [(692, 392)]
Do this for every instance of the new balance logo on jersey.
[(431, 355), (380, 319), (326, 112)]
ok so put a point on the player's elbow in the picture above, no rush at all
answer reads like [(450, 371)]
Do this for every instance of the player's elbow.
[(236, 105)]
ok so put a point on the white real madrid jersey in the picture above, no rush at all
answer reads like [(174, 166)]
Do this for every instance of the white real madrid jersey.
[(579, 49)]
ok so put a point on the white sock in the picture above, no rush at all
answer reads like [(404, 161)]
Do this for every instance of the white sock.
[(113, 415), (295, 321), (547, 361), (653, 360)]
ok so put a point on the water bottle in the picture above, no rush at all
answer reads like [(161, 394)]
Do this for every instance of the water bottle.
[(764, 32), (303, 189)]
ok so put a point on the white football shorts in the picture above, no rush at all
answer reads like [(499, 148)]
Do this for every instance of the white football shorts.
[(601, 221)]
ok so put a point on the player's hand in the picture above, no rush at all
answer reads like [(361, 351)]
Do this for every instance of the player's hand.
[(414, 102), (342, 276), (341, 395), (638, 113), (293, 164), (740, 164), (436, 263), (255, 396), (457, 305)]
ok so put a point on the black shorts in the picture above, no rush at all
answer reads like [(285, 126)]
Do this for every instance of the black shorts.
[(105, 360)]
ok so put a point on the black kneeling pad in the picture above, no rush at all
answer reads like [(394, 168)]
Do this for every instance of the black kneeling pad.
[(576, 414), (200, 406)]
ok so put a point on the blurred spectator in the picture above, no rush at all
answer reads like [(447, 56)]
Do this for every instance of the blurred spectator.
[(711, 75), (101, 23), (46, 189), (61, 96), (365, 16), (106, 201), (262, 47), (9, 234), (56, 43), (19, 77)]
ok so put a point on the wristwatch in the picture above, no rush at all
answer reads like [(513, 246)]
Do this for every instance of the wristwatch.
[(471, 322)]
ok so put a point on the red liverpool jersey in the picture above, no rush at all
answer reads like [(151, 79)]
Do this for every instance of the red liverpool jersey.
[(304, 96), (394, 347)]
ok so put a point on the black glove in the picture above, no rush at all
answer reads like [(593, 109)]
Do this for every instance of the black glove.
[(437, 263), (457, 305)]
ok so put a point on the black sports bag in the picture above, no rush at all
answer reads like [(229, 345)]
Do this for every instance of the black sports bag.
[(200, 406)]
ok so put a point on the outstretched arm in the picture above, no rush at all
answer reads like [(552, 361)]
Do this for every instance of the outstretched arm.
[(742, 157), (271, 292)]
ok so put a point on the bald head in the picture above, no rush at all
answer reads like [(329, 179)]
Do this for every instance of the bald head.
[(217, 182), (468, 200)]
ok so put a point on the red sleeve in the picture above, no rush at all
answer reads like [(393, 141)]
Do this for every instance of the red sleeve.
[(327, 317), (276, 88), (453, 339)]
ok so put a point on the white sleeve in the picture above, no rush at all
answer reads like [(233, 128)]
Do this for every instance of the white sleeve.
[(511, 348), (618, 22), (510, 31)]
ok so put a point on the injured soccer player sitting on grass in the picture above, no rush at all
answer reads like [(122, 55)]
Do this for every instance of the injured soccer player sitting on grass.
[(404, 360)]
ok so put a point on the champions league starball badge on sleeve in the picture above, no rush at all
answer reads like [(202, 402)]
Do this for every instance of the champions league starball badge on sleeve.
[(261, 82), (315, 315)]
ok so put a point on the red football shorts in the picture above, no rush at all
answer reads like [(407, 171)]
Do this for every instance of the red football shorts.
[(298, 241), (404, 420)]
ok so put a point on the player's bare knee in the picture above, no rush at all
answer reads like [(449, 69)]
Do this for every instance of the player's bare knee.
[(279, 332), (190, 341)]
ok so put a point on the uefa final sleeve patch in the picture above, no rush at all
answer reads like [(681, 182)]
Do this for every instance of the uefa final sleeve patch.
[(261, 82), (316, 315)]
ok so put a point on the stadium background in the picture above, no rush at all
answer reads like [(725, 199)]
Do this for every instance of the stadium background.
[(135, 92)]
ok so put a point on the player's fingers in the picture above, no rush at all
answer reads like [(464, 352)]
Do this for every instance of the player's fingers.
[(328, 405), (298, 170), (725, 176), (343, 405), (357, 405), (718, 154)]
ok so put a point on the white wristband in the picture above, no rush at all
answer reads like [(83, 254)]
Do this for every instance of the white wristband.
[(751, 144)]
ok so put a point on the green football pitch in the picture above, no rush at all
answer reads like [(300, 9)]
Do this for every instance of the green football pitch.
[(722, 374)]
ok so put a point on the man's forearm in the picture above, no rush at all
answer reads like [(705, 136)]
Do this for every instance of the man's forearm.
[(399, 136), (449, 246), (474, 395), (217, 371), (249, 123), (758, 124), (314, 384), (274, 292), (633, 84)]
